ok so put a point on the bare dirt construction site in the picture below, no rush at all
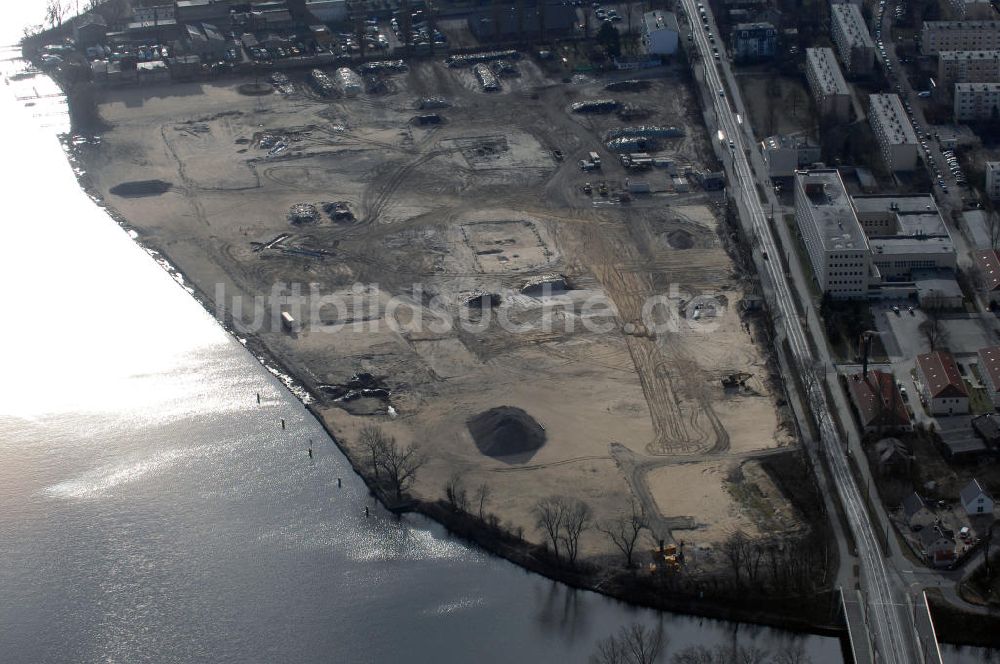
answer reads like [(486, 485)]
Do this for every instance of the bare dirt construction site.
[(441, 269)]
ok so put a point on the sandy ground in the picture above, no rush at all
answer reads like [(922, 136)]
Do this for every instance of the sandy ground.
[(442, 212)]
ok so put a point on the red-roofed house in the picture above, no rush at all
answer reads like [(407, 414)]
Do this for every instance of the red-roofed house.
[(942, 385), (989, 371), (878, 402), (988, 262)]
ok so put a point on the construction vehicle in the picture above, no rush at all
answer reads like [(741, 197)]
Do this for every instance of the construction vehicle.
[(588, 188), (602, 189)]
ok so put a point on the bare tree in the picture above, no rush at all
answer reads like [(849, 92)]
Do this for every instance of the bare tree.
[(55, 12), (735, 549), (375, 441), (633, 644), (792, 653), (578, 518), (483, 493), (624, 530), (933, 330), (456, 493), (400, 464), (549, 515)]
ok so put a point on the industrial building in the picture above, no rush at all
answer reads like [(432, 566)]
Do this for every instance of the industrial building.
[(660, 32), (754, 41), (967, 67), (854, 43), (558, 19), (897, 141), (784, 155), (827, 84), (837, 247), (937, 36), (976, 101)]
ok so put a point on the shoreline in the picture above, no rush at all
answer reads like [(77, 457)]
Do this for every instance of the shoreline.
[(763, 612)]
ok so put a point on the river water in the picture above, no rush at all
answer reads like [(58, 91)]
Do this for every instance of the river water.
[(152, 511)]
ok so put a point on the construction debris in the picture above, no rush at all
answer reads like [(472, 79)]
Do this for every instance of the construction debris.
[(303, 213), (594, 106)]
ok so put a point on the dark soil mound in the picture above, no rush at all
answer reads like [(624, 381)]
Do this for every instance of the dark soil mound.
[(141, 188), (504, 431), (680, 240)]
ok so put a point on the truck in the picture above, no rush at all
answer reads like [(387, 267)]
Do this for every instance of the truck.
[(595, 159)]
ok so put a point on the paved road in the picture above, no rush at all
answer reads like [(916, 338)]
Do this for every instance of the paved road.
[(890, 618)]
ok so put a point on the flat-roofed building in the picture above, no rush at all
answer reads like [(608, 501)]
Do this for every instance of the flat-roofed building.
[(993, 179), (973, 9), (977, 101), (897, 141), (967, 67), (937, 36), (834, 239), (827, 84), (905, 233), (754, 41), (854, 43), (784, 155), (942, 384), (660, 32)]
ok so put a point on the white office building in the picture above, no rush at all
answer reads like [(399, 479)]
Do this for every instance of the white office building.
[(906, 233), (827, 84), (837, 247), (854, 43)]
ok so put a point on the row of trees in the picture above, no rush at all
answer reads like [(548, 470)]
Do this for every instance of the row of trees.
[(391, 462), (563, 520), (787, 566), (636, 644)]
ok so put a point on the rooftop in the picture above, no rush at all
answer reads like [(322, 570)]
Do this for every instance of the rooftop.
[(971, 491), (916, 215), (969, 55), (888, 111), (659, 20), (852, 23), (831, 210), (827, 71), (961, 25), (878, 400), (898, 245), (989, 363), (941, 373), (988, 262)]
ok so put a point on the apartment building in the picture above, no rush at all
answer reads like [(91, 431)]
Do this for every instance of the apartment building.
[(837, 247), (937, 36), (993, 180), (942, 384), (897, 141), (854, 43), (976, 101), (967, 67), (754, 41), (827, 84), (969, 10)]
